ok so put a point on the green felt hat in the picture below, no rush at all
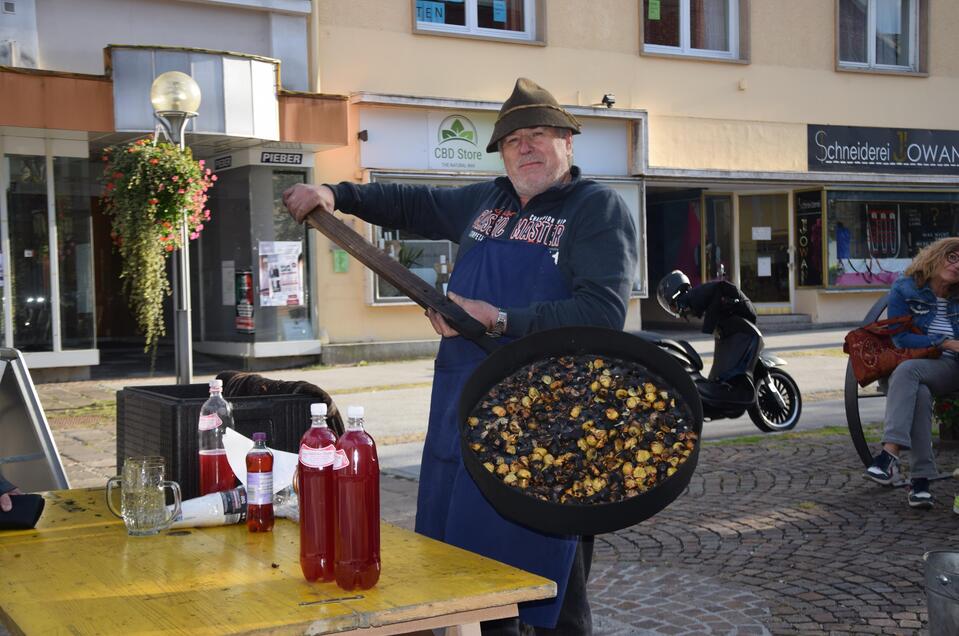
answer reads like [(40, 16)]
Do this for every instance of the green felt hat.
[(529, 106)]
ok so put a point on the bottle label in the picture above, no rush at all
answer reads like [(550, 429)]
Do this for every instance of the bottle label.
[(259, 488), (210, 422), (340, 460), (317, 457)]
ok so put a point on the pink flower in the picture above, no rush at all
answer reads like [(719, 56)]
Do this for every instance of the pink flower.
[(180, 191), (202, 162), (213, 178), (174, 178), (194, 236)]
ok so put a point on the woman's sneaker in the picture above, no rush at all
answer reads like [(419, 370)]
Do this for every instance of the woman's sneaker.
[(919, 495), (884, 469)]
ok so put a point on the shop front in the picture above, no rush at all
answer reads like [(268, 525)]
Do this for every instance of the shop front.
[(853, 239), (441, 143), (62, 301), (824, 243)]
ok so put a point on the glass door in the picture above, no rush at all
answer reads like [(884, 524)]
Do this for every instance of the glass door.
[(718, 257), (764, 249)]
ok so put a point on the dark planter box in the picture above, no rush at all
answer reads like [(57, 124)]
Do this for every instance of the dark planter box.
[(162, 420)]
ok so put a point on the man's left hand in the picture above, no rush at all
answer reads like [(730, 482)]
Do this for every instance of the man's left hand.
[(6, 503), (482, 311)]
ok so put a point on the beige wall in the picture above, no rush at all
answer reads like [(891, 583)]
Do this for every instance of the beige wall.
[(593, 47), (836, 306)]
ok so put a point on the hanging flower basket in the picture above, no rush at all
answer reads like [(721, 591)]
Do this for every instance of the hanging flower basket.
[(148, 190)]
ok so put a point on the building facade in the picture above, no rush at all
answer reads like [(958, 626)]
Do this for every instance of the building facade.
[(805, 151), (80, 75)]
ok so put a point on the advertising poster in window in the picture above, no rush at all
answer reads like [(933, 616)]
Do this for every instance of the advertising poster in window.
[(280, 281), (243, 290), (809, 238)]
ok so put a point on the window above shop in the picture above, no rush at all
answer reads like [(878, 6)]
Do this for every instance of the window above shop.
[(512, 20), (881, 35), (712, 29)]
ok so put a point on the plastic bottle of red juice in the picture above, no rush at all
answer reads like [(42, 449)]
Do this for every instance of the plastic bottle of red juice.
[(357, 475), (216, 415), (315, 477), (259, 486)]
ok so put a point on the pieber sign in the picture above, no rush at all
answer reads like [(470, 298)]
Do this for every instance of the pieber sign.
[(900, 150)]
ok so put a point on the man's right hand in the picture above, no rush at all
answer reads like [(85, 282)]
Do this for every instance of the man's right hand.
[(301, 199)]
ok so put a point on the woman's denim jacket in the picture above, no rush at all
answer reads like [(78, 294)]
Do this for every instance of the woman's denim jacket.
[(906, 297)]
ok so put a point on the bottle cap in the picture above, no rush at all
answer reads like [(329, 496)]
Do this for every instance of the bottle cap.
[(216, 383), (259, 437), (354, 412), (318, 409)]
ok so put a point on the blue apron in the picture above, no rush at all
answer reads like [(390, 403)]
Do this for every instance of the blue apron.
[(449, 506)]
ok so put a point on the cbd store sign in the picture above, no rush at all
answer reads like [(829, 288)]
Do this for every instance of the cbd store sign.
[(458, 142)]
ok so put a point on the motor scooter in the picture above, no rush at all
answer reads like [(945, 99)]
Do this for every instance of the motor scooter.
[(743, 377)]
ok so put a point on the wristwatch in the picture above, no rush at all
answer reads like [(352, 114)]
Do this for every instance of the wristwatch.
[(499, 328)]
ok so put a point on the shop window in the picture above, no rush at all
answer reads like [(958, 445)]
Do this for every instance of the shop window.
[(674, 222), (72, 188), (701, 28), (495, 19), (424, 257), (880, 35), (283, 278), (874, 236), (29, 234), (807, 239)]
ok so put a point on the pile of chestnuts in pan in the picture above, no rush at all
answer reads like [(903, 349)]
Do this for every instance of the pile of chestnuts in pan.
[(582, 429)]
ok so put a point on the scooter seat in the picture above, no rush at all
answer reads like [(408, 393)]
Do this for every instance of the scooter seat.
[(685, 350)]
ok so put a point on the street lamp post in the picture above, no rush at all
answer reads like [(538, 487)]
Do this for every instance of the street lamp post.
[(176, 98)]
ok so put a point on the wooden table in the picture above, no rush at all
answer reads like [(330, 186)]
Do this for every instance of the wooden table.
[(79, 573)]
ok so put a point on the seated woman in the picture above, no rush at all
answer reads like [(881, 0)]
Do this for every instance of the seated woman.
[(929, 292)]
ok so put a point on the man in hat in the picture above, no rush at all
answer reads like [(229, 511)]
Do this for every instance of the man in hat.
[(538, 249)]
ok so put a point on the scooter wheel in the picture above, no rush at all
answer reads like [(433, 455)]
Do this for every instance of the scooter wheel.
[(768, 414)]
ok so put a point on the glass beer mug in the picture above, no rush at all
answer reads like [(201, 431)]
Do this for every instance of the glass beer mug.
[(142, 499)]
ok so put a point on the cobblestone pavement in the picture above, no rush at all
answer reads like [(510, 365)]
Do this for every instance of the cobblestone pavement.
[(782, 537)]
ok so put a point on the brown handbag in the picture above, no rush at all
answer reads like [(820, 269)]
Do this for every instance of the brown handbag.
[(872, 353)]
